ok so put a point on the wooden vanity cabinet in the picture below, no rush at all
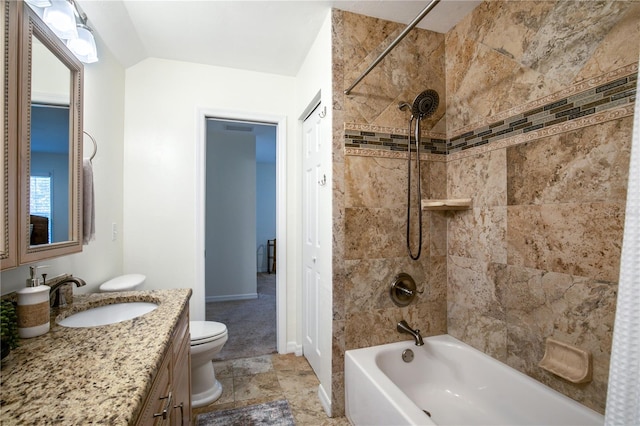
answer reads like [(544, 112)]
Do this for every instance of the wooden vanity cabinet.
[(169, 401), (181, 383)]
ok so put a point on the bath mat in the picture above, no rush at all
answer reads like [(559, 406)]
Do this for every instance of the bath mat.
[(275, 413)]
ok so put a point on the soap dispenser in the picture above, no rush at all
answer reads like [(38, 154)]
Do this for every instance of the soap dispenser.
[(33, 306)]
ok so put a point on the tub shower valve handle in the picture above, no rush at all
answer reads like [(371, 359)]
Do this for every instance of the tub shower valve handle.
[(403, 290)]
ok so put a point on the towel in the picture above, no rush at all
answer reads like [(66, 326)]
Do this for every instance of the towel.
[(88, 204)]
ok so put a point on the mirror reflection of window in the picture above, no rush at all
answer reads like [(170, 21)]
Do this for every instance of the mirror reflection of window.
[(40, 206)]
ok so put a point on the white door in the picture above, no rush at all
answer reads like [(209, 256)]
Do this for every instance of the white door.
[(314, 181)]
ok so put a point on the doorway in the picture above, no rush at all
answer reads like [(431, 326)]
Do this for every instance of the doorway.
[(236, 121), (240, 219)]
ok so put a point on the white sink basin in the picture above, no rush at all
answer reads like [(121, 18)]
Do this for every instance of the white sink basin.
[(107, 314)]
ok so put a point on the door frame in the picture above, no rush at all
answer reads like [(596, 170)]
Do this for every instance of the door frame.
[(280, 122)]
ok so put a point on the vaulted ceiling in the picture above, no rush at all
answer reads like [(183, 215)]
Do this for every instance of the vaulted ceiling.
[(270, 36)]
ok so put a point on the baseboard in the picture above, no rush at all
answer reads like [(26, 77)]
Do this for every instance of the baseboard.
[(231, 297), (324, 400), (293, 347)]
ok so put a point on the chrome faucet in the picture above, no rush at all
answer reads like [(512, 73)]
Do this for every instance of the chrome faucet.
[(56, 297), (403, 327)]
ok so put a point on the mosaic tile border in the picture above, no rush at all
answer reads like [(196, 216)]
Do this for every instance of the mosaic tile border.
[(530, 121), (578, 88), (394, 130), (617, 93), (391, 141), (601, 117)]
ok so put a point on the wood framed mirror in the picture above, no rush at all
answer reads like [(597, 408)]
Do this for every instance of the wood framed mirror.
[(50, 143), (9, 133)]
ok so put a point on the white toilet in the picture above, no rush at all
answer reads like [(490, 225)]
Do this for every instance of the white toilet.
[(127, 282), (207, 339)]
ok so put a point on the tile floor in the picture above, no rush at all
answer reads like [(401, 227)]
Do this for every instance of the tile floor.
[(261, 379)]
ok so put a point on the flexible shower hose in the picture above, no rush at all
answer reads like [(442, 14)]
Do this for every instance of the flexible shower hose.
[(417, 138)]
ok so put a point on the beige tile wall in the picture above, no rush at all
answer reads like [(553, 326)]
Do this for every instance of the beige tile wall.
[(538, 254), (509, 53), (370, 193)]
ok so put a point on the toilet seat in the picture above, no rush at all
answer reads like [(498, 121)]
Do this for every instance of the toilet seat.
[(206, 331), (123, 282)]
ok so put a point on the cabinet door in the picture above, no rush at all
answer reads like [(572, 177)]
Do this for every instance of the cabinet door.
[(182, 386), (160, 398), (181, 382)]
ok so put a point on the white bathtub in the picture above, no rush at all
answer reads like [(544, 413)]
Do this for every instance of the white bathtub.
[(456, 383)]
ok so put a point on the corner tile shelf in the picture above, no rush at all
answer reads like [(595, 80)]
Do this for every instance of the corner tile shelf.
[(449, 204)]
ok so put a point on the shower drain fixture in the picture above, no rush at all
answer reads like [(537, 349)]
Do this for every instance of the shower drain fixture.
[(407, 355)]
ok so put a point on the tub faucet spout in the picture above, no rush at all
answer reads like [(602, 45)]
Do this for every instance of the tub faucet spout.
[(403, 327)]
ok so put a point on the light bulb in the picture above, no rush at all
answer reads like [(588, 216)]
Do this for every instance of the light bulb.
[(61, 19), (84, 46), (39, 3)]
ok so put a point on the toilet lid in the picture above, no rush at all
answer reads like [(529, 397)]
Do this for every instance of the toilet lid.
[(201, 330), (123, 282)]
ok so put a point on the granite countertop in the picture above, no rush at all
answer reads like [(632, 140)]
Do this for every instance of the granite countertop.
[(99, 375)]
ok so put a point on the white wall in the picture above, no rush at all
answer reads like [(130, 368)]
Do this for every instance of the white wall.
[(104, 120), (163, 100), (265, 211), (315, 76), (230, 267)]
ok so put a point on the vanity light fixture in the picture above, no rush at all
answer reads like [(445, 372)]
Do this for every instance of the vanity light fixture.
[(69, 23), (61, 18), (39, 3), (84, 47)]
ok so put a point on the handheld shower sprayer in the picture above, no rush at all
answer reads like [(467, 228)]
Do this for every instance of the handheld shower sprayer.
[(424, 106)]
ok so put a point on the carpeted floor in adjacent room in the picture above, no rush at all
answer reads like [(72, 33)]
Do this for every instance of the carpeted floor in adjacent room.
[(251, 324)]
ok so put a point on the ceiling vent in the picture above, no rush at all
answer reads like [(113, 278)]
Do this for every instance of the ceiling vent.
[(238, 128)]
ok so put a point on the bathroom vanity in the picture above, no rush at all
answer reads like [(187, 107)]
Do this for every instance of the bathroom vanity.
[(169, 401), (135, 372)]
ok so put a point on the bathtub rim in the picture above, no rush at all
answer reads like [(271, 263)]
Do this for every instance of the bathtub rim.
[(365, 358)]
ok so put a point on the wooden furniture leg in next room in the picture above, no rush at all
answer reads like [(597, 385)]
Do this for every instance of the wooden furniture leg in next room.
[(271, 256)]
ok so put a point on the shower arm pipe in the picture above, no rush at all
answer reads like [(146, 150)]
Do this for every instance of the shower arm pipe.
[(393, 44)]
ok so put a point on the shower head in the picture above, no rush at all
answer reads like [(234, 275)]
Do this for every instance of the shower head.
[(425, 104)]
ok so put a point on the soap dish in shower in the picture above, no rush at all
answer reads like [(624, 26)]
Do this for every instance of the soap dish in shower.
[(566, 361)]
